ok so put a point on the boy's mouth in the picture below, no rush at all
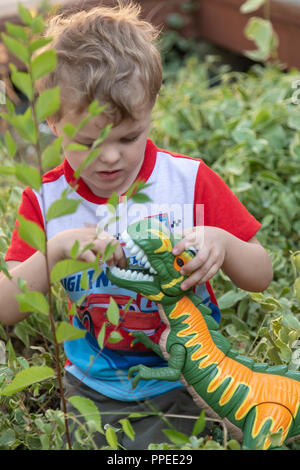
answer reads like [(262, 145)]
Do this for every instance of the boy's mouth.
[(109, 174)]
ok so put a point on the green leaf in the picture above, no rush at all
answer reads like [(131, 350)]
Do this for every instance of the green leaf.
[(17, 31), (69, 130), (29, 176), (112, 312), (261, 116), (31, 233), (94, 108), (233, 445), (113, 202), (10, 144), (51, 156), (109, 250), (4, 268), (199, 424), (276, 438), (115, 337), (84, 281), (74, 250), (68, 266), (7, 438), (74, 146), (25, 15), (261, 32), (176, 437), (27, 377), (47, 103), (111, 437), (87, 161), (102, 136), (127, 428), (37, 25), (43, 63), (7, 170), (231, 298), (17, 48), (294, 120), (24, 125), (36, 44), (251, 5), (67, 332), (33, 302), (101, 336), (89, 411), (136, 187), (62, 207), (140, 198)]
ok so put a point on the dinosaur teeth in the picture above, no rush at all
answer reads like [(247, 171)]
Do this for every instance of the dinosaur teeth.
[(140, 255), (134, 249), (130, 275), (137, 251)]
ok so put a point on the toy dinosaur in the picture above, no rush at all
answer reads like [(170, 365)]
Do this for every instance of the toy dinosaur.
[(253, 399)]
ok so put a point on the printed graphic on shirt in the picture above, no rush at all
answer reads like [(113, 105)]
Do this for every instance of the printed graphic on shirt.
[(141, 315)]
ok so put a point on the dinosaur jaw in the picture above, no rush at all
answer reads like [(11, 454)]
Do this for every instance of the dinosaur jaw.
[(139, 254), (131, 274), (140, 278)]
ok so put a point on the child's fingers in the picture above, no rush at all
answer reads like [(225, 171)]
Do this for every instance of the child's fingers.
[(196, 263), (193, 238), (119, 257), (200, 276), (88, 256)]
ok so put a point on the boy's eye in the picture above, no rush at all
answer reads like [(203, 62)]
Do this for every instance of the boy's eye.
[(128, 140)]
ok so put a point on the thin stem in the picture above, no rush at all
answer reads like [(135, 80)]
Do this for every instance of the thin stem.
[(51, 316), (267, 10)]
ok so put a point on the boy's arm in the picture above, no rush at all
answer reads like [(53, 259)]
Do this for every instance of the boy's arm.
[(33, 270), (247, 264)]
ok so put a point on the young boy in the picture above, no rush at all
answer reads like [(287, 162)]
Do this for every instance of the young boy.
[(109, 54)]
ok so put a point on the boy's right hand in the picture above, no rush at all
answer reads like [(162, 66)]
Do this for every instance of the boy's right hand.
[(60, 245)]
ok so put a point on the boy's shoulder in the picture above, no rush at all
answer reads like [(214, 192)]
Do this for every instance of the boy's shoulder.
[(179, 155), (53, 174)]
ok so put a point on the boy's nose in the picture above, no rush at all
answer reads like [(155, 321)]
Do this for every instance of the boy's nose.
[(109, 154)]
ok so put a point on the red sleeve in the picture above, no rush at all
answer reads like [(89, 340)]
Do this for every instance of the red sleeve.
[(19, 250), (220, 207)]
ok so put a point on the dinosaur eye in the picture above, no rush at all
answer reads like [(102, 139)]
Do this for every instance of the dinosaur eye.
[(178, 263)]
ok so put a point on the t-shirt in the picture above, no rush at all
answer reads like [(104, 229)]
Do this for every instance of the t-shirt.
[(183, 192)]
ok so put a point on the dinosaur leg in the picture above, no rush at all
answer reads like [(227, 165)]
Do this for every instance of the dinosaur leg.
[(172, 372), (141, 337), (264, 419)]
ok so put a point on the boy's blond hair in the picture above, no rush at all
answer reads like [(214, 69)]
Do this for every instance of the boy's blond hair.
[(108, 54)]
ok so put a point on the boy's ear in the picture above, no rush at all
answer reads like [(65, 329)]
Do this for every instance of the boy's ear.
[(52, 127)]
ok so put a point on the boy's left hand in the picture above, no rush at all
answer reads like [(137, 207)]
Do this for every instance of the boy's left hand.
[(210, 243)]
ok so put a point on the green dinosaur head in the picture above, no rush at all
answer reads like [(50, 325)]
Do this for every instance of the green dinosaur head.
[(159, 279)]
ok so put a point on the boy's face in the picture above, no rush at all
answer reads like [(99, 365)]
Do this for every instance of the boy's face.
[(121, 156)]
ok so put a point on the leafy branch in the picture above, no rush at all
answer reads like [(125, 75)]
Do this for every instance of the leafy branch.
[(25, 42), (261, 31)]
